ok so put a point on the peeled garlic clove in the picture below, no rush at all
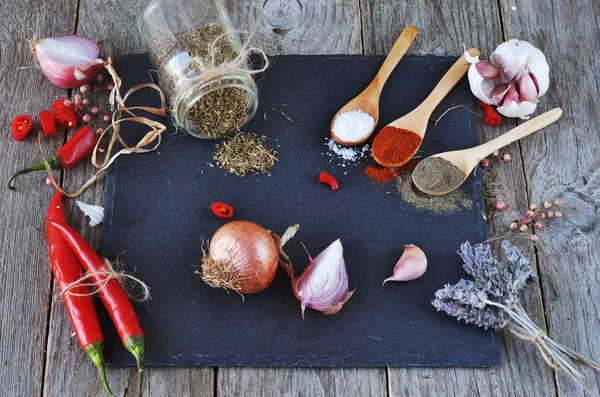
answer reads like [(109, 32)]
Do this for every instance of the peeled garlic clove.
[(488, 70), (411, 265), (323, 285), (512, 95), (528, 90), (522, 110), (498, 93)]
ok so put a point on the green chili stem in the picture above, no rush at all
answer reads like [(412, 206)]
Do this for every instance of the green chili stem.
[(95, 352), (53, 161)]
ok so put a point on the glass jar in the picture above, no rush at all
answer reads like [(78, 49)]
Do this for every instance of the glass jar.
[(193, 46)]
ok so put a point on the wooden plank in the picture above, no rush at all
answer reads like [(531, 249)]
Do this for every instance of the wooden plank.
[(25, 271), (279, 382), (69, 371), (445, 27), (301, 27), (564, 160)]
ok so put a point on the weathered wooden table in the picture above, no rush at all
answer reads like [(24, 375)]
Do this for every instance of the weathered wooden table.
[(38, 354)]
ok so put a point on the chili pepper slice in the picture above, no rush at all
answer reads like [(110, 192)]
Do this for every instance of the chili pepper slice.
[(113, 295), (222, 210), (76, 149), (328, 179), (47, 119), (66, 117), (21, 126), (491, 115), (80, 307)]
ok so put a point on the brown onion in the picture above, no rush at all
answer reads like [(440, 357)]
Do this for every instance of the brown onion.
[(242, 256)]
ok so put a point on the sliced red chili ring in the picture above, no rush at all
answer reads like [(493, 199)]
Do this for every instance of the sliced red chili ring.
[(222, 210), (66, 117), (47, 119), (21, 126)]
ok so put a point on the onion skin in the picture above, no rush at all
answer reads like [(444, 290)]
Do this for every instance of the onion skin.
[(243, 242), (74, 73)]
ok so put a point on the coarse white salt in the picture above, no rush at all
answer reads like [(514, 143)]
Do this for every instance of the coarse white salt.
[(345, 155), (353, 126)]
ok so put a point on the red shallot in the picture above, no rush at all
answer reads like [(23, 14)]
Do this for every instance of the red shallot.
[(68, 61), (242, 256), (323, 285)]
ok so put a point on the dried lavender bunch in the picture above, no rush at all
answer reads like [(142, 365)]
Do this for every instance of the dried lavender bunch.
[(491, 300)]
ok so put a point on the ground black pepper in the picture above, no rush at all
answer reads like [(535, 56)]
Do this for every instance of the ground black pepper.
[(437, 175)]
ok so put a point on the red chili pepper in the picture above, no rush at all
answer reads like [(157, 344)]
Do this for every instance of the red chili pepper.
[(328, 179), (21, 126), (112, 294), (66, 117), (80, 307), (491, 115), (47, 119), (222, 210), (76, 149)]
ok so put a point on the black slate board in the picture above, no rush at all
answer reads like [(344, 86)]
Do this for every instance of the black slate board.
[(158, 209)]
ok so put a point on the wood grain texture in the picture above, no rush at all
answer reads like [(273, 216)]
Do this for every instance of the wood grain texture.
[(302, 27), (474, 24), (25, 269), (314, 382), (564, 161), (69, 370)]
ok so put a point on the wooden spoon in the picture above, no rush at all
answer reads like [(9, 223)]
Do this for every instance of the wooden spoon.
[(416, 121), (368, 100), (467, 159)]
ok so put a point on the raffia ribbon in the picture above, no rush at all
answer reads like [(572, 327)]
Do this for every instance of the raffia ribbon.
[(121, 113), (106, 275)]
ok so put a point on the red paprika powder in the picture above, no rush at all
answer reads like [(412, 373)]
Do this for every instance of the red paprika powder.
[(395, 145), (379, 174)]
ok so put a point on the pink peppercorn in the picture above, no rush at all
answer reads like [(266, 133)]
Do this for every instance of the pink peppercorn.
[(106, 118), (500, 205), (484, 163), (87, 118), (94, 110)]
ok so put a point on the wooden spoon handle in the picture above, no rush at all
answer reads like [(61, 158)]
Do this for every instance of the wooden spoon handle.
[(529, 127), (450, 79), (396, 53)]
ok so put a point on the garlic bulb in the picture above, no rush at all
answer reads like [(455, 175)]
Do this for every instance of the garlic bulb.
[(514, 79)]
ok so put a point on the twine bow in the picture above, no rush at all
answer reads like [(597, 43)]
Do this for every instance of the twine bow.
[(104, 276)]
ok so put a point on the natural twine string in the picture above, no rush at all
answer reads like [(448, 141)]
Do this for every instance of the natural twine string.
[(105, 275), (119, 108), (556, 356)]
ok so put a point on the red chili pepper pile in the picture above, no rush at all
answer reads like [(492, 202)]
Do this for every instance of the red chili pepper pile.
[(69, 255)]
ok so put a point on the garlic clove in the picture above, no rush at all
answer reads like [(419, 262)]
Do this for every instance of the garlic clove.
[(482, 88), (411, 265), (522, 110), (512, 95), (488, 70), (323, 285), (498, 93), (528, 90)]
